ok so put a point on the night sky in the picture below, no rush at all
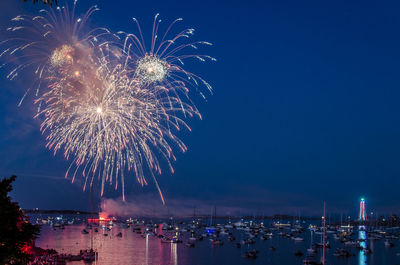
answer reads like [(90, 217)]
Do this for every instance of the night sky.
[(305, 109)]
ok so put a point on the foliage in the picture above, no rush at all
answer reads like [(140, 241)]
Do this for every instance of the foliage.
[(16, 232)]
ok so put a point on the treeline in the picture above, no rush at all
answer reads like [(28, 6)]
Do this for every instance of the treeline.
[(37, 211)]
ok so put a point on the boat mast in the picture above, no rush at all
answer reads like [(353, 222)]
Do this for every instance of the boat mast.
[(91, 215), (211, 218), (323, 239), (215, 216)]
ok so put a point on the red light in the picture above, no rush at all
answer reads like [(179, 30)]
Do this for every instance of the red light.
[(98, 220)]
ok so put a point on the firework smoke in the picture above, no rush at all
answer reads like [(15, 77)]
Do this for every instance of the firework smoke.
[(106, 103)]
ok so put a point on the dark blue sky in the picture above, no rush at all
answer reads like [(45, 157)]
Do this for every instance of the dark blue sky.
[(305, 108)]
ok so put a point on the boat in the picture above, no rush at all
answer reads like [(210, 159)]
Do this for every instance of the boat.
[(311, 262), (320, 245), (389, 243), (189, 244), (247, 241), (350, 243), (84, 232), (341, 252), (60, 261), (250, 254), (165, 240), (89, 255), (217, 241), (212, 227), (176, 240), (75, 258), (312, 248), (298, 253), (224, 232)]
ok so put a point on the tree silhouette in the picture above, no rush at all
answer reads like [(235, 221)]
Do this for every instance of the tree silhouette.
[(16, 232)]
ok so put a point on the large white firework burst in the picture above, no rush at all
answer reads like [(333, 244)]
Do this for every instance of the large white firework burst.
[(162, 63), (109, 109), (108, 123)]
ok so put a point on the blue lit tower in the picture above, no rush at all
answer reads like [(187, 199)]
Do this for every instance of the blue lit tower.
[(362, 215)]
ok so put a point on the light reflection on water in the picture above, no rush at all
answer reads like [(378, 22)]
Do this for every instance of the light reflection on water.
[(362, 255), (133, 249), (147, 249), (174, 254)]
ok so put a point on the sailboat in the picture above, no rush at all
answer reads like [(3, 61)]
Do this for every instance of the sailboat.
[(310, 258), (312, 248), (323, 241), (323, 244), (213, 217), (90, 255)]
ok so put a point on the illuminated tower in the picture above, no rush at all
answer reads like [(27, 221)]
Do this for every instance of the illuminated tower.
[(362, 215)]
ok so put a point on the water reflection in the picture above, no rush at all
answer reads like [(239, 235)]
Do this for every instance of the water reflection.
[(362, 238), (147, 249), (138, 249), (174, 254)]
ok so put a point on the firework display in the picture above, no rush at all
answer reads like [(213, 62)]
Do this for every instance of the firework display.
[(163, 64), (108, 104)]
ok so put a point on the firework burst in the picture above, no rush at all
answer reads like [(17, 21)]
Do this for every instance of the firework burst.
[(162, 64), (52, 39), (108, 108)]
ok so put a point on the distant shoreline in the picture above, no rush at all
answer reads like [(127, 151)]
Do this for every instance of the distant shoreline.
[(273, 217), (57, 211), (391, 222)]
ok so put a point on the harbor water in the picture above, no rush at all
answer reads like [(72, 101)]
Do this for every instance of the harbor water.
[(133, 247)]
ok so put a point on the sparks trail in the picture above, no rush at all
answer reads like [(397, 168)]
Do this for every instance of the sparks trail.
[(163, 63), (108, 105)]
